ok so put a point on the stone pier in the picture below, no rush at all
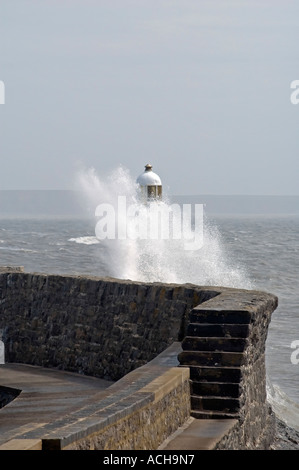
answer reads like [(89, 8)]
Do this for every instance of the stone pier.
[(110, 329)]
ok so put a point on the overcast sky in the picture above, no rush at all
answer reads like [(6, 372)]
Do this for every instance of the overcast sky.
[(198, 88)]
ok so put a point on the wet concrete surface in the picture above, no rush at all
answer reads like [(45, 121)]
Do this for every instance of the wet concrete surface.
[(46, 395)]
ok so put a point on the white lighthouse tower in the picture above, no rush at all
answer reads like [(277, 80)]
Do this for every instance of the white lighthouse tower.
[(150, 184)]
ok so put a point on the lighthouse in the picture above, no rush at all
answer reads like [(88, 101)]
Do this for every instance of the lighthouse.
[(150, 184)]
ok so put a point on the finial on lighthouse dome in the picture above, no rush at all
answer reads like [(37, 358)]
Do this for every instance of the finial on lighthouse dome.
[(150, 183)]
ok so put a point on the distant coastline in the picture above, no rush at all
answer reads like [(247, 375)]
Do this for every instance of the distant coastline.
[(243, 204), (33, 203)]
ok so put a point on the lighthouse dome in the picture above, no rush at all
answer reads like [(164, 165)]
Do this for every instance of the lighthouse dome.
[(148, 177)]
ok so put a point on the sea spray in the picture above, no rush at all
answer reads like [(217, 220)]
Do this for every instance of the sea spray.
[(148, 258)]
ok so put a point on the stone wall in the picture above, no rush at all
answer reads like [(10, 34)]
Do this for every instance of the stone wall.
[(100, 327), (108, 327)]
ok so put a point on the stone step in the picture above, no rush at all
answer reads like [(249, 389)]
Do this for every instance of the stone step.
[(220, 389), (215, 403), (215, 374), (202, 315), (209, 358), (213, 415), (193, 343), (214, 330)]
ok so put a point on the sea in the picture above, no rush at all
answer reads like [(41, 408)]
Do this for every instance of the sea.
[(249, 242)]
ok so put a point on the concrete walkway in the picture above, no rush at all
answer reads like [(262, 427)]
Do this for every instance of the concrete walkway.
[(46, 395)]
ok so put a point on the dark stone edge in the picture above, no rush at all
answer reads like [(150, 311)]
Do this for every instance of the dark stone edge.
[(286, 438)]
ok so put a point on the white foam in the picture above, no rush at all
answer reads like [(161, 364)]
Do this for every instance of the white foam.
[(85, 240), (283, 406), (156, 260)]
